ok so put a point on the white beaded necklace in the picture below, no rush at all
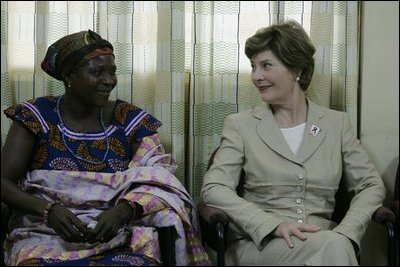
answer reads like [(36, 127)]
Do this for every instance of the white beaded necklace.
[(65, 142)]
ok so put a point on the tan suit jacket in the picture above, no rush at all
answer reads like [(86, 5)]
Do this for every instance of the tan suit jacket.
[(280, 186)]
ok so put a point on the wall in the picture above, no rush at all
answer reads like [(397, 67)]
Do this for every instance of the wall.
[(379, 129)]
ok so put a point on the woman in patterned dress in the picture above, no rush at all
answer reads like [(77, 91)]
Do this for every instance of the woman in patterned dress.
[(69, 171)]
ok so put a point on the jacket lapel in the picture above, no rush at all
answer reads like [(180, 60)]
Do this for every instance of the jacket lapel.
[(314, 133), (269, 132)]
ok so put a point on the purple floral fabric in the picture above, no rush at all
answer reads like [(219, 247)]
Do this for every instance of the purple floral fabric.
[(163, 197)]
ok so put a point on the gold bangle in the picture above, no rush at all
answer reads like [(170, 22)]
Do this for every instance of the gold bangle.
[(46, 212)]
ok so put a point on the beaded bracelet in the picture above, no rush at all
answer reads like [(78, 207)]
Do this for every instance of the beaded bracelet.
[(47, 211)]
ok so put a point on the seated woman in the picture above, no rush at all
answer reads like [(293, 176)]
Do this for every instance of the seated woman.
[(294, 154), (87, 177)]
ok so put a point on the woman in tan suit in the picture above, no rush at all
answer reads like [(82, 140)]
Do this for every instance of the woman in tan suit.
[(294, 154)]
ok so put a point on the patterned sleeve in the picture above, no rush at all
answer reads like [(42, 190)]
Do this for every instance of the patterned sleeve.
[(25, 114), (137, 122), (147, 126)]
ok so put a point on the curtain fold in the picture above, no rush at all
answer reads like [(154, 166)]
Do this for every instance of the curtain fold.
[(182, 61)]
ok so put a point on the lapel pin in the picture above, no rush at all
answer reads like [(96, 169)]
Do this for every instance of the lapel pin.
[(314, 130)]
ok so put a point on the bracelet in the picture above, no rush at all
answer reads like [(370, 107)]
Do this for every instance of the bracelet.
[(47, 211)]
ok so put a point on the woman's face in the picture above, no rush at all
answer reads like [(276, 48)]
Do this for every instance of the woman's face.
[(273, 80), (93, 81)]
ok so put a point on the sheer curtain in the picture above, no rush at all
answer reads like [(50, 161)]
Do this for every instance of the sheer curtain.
[(182, 61), (221, 84)]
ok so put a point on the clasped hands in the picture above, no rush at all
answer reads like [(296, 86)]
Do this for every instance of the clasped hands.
[(71, 229), (287, 229)]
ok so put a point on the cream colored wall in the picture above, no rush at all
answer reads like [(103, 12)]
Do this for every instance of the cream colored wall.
[(380, 107)]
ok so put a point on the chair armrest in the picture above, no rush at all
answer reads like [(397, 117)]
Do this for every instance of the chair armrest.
[(382, 215), (213, 222), (386, 216), (212, 215)]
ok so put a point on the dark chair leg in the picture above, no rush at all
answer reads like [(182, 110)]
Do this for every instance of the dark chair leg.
[(167, 245), (391, 244), (220, 244)]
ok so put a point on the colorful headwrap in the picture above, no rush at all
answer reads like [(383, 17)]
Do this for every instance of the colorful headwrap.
[(72, 50)]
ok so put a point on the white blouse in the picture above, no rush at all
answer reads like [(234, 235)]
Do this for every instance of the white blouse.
[(294, 136)]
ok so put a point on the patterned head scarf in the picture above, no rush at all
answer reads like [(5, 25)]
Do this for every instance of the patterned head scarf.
[(72, 50)]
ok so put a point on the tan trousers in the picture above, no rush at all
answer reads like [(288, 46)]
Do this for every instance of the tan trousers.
[(322, 248)]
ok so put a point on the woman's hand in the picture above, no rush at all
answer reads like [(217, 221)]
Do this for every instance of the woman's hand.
[(287, 229), (67, 225), (110, 221)]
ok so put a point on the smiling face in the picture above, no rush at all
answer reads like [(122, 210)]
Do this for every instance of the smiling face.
[(94, 80), (275, 82)]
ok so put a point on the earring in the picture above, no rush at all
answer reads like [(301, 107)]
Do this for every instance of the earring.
[(69, 84), (297, 79)]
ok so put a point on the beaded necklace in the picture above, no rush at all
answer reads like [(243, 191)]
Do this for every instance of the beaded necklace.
[(65, 142)]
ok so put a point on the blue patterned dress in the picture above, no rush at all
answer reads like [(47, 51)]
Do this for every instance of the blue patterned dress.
[(128, 124)]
